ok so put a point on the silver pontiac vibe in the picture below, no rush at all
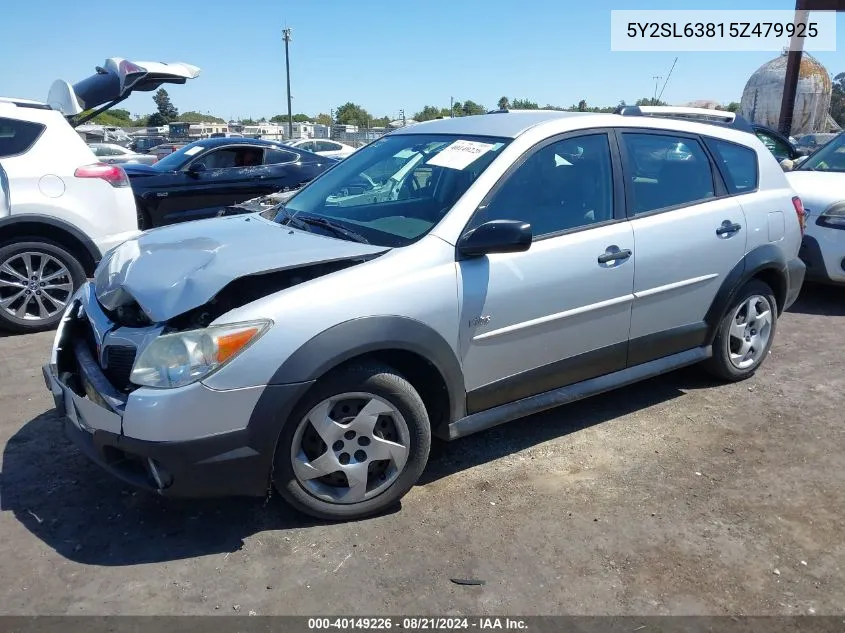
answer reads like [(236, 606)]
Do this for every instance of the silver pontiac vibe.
[(448, 277)]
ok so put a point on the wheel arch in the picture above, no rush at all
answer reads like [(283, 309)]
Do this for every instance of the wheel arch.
[(37, 227), (766, 263)]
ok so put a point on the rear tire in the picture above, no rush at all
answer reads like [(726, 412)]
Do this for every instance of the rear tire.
[(354, 446), (144, 221), (745, 334), (37, 280)]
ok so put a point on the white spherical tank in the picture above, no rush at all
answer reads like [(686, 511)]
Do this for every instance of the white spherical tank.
[(763, 93)]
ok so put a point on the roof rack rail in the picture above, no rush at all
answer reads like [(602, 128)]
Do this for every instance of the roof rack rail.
[(700, 115)]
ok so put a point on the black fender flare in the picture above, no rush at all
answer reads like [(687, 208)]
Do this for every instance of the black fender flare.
[(67, 227), (340, 343), (364, 335), (768, 259)]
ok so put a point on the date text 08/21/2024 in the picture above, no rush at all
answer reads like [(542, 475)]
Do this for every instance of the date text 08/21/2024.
[(721, 29), (417, 623)]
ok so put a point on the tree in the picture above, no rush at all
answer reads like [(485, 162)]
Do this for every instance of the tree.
[(504, 104), (733, 106), (352, 114), (165, 107), (192, 116), (524, 104), (323, 119), (157, 119), (471, 107), (582, 106), (382, 122), (114, 118), (428, 113), (648, 101)]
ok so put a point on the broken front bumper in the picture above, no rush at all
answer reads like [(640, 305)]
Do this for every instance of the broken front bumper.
[(191, 441)]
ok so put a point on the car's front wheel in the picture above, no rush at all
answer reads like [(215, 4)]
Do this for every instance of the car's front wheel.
[(37, 280), (745, 334), (355, 445)]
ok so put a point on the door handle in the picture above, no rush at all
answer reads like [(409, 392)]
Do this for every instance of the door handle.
[(728, 228), (615, 255)]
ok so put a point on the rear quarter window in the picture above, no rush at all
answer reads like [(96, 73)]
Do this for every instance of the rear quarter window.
[(738, 164), (16, 137)]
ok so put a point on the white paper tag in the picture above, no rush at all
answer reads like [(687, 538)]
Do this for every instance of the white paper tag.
[(194, 150), (405, 153), (459, 154)]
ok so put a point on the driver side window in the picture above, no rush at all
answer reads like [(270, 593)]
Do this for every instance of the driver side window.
[(229, 157)]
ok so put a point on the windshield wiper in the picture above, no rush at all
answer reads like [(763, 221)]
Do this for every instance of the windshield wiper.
[(304, 222)]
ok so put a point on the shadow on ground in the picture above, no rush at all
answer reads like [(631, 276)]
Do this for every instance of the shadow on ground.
[(823, 300), (89, 517)]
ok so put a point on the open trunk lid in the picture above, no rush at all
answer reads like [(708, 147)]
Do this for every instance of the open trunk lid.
[(113, 82)]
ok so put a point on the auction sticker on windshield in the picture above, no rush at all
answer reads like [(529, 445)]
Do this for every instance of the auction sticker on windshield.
[(459, 154), (194, 150)]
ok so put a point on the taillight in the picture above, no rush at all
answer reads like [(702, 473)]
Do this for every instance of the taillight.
[(799, 211), (112, 174)]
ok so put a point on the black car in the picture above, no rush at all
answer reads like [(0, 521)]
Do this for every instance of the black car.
[(202, 178)]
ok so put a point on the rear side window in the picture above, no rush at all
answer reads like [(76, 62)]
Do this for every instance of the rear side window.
[(16, 137), (666, 171), (279, 156), (739, 164)]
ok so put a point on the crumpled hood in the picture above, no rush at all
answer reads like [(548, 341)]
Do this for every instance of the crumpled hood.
[(171, 270)]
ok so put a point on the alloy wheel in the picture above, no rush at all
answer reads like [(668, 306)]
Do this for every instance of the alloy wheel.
[(750, 331), (34, 286), (350, 448)]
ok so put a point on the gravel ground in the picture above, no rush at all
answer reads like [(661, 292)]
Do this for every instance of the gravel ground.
[(675, 496)]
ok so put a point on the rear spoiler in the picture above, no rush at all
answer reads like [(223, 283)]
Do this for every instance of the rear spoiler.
[(112, 83)]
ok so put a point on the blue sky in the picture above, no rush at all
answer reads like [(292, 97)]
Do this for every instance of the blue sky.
[(383, 55)]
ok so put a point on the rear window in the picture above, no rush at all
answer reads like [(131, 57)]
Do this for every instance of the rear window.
[(16, 137), (738, 163)]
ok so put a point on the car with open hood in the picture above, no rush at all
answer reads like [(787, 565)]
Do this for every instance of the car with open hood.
[(67, 207), (448, 277), (201, 179)]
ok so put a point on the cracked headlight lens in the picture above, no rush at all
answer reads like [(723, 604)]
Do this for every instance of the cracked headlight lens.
[(175, 360)]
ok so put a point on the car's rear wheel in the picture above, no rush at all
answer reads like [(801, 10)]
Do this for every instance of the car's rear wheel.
[(745, 334), (37, 280), (144, 221), (355, 445)]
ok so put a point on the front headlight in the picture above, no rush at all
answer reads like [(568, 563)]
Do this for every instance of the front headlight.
[(833, 217), (175, 360)]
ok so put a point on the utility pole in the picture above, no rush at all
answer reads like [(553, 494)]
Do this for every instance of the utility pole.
[(402, 116), (286, 34), (656, 78)]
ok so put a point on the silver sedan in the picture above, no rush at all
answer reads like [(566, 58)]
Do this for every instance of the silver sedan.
[(115, 154)]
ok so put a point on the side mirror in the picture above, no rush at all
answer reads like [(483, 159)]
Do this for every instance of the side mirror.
[(496, 236), (196, 169)]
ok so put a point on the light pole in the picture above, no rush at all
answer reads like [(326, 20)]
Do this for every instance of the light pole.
[(286, 34)]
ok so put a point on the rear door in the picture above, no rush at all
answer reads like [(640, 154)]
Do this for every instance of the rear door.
[(688, 234)]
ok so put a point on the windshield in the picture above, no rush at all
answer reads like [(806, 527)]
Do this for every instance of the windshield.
[(173, 162), (393, 191), (831, 157)]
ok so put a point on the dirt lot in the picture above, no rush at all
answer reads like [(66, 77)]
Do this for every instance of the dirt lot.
[(676, 495)]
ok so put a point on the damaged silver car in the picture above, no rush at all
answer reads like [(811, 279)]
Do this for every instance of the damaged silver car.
[(448, 277)]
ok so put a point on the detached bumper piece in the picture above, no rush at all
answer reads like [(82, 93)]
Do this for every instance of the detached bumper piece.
[(796, 271), (811, 255)]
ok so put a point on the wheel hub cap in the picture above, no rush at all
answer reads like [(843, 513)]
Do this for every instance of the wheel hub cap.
[(751, 329), (34, 286), (350, 448)]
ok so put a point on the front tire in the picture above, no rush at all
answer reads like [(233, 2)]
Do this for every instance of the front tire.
[(354, 446), (745, 334), (37, 280)]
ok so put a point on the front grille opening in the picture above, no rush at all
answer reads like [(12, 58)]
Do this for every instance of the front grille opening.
[(119, 360)]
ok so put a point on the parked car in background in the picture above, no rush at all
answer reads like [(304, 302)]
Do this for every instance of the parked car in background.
[(67, 208), (112, 154), (165, 149), (448, 277), (809, 143), (143, 144), (820, 181), (201, 179), (323, 147)]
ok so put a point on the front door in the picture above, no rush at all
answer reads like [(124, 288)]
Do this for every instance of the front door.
[(558, 313), (229, 175), (689, 234)]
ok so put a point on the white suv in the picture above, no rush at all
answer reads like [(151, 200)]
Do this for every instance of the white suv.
[(63, 209)]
